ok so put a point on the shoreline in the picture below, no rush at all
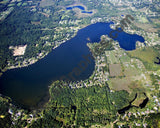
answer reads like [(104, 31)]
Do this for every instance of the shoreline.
[(41, 57), (46, 98), (32, 61)]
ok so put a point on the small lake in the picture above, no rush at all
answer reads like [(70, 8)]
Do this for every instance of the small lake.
[(79, 7), (28, 86)]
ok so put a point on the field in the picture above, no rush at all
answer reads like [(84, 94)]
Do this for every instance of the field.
[(134, 77), (130, 71), (127, 83), (120, 84), (145, 54), (146, 27), (115, 70), (139, 99), (124, 58), (111, 57)]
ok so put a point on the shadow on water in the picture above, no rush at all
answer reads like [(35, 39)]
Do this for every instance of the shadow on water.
[(142, 105), (121, 111), (158, 58)]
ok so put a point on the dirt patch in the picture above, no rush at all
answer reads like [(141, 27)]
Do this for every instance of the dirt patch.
[(115, 70), (131, 72), (35, 23), (18, 50)]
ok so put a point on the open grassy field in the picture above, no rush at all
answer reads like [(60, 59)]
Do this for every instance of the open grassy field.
[(130, 71), (146, 27), (144, 54), (124, 58), (118, 84), (128, 83), (112, 58), (139, 99)]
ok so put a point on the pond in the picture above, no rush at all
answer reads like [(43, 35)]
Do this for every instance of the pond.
[(79, 7)]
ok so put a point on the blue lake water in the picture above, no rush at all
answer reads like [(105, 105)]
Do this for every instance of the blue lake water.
[(81, 8), (72, 7), (27, 86)]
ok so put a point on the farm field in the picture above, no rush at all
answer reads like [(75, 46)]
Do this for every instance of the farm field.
[(144, 54)]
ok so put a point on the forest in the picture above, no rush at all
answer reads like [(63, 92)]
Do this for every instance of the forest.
[(25, 26), (81, 107), (86, 107)]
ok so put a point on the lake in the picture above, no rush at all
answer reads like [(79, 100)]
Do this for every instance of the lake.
[(79, 7), (28, 86)]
